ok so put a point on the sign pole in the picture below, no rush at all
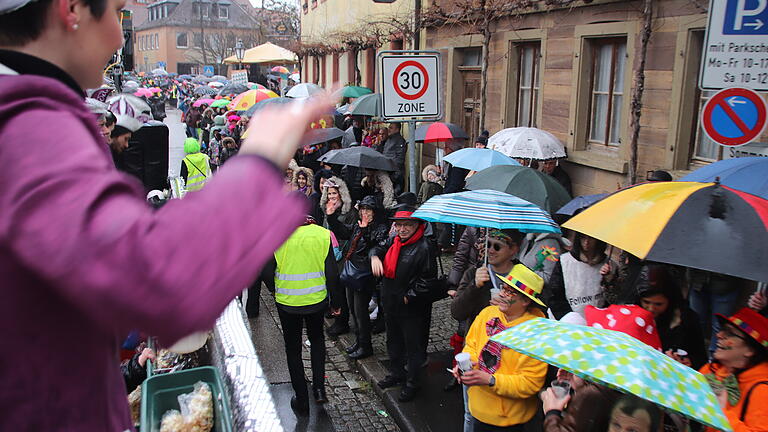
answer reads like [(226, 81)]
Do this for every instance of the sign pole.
[(413, 179)]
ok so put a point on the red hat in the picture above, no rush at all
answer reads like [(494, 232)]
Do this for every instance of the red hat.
[(630, 319), (751, 323)]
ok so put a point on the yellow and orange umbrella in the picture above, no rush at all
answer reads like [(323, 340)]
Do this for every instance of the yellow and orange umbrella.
[(247, 99), (701, 225)]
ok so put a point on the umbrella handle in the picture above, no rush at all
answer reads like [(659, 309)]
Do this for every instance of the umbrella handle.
[(486, 248)]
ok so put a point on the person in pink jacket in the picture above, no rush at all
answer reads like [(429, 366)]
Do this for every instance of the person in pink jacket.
[(83, 259)]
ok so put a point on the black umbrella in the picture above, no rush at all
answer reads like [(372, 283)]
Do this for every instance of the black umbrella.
[(316, 136), (204, 91), (233, 88), (361, 157)]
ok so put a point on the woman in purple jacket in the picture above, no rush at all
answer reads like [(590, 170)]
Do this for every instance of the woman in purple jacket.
[(83, 259)]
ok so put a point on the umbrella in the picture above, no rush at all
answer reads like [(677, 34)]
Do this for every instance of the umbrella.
[(203, 101), (355, 91), (304, 90), (155, 89), (233, 88), (254, 86), (204, 91), (159, 71), (747, 174), (487, 208), (362, 157), (342, 110), (580, 203), (282, 70), (478, 159), (201, 79), (617, 360), (220, 103), (295, 77), (527, 143), (523, 182), (368, 105), (439, 131), (265, 103), (701, 225), (185, 77), (216, 84), (220, 78), (316, 136), (143, 92), (248, 99)]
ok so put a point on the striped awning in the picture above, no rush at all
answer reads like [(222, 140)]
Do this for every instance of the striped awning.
[(489, 209)]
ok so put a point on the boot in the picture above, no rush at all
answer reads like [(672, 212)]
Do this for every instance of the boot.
[(301, 406), (320, 396), (361, 353), (352, 348)]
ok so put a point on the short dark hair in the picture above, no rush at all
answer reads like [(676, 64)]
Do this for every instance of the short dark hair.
[(629, 405), (119, 131), (27, 24)]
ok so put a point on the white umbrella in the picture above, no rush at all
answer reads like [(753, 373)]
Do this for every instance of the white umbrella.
[(527, 143), (304, 90)]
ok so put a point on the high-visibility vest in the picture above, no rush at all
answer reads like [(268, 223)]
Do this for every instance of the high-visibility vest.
[(300, 274), (198, 170)]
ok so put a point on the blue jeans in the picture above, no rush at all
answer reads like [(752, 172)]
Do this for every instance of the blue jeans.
[(468, 420), (192, 132), (707, 303)]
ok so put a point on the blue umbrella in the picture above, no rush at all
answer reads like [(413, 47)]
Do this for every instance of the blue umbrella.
[(489, 209), (747, 174), (580, 203), (477, 159)]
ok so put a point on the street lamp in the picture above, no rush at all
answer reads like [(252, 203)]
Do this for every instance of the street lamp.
[(239, 53)]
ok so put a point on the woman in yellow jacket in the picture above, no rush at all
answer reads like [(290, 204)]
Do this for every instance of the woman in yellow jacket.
[(503, 383)]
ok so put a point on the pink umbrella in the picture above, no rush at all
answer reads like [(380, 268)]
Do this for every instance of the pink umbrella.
[(143, 92), (204, 101), (155, 89)]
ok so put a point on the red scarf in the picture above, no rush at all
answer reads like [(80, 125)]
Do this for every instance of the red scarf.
[(393, 254)]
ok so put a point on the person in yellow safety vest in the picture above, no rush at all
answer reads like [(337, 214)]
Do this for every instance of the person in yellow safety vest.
[(195, 167), (301, 276)]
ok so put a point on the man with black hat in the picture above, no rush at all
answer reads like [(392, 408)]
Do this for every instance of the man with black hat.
[(409, 266)]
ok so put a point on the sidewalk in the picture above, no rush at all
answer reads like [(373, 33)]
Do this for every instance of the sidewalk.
[(433, 409)]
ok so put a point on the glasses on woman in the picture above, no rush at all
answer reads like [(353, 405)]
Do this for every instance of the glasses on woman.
[(730, 332), (497, 246)]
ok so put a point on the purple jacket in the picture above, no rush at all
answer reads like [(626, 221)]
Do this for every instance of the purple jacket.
[(83, 258)]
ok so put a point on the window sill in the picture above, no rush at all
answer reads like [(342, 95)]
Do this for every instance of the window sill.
[(596, 160)]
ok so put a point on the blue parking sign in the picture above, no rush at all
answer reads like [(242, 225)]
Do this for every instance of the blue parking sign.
[(746, 17)]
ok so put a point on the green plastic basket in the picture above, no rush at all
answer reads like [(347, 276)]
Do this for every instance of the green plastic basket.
[(159, 393)]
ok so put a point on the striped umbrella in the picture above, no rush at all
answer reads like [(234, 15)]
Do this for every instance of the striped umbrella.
[(489, 209), (250, 98)]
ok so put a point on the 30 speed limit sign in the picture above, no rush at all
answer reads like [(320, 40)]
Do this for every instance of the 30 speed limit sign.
[(410, 84)]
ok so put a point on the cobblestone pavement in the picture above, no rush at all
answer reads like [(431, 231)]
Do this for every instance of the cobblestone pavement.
[(352, 404)]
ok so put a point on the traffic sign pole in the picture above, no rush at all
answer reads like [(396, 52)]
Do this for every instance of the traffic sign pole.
[(410, 92)]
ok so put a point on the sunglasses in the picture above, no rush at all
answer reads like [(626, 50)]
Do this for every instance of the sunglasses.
[(496, 246), (731, 333)]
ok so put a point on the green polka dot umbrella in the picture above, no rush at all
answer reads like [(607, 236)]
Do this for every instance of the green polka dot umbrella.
[(618, 361)]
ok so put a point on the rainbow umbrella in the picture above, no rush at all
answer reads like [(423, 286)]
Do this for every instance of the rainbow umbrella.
[(250, 98), (255, 86), (617, 360), (281, 70), (706, 226)]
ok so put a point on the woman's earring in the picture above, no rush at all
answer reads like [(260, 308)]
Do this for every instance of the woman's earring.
[(75, 26)]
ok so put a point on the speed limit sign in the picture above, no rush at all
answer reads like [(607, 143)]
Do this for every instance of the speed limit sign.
[(410, 84)]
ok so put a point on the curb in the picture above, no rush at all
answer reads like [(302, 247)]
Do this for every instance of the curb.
[(373, 370)]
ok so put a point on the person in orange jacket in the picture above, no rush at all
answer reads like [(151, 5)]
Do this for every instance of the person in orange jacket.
[(739, 371)]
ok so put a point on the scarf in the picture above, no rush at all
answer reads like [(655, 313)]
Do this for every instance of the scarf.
[(393, 254), (490, 356), (729, 384)]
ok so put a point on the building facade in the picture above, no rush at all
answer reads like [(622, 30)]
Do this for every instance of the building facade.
[(569, 69), (182, 36), (344, 32)]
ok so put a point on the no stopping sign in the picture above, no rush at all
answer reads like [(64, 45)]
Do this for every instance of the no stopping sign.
[(409, 85)]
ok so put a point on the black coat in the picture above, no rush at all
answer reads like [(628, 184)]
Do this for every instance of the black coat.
[(369, 237), (454, 179), (416, 272), (683, 332), (133, 373)]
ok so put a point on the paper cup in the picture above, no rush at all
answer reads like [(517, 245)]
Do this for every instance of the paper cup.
[(464, 361)]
